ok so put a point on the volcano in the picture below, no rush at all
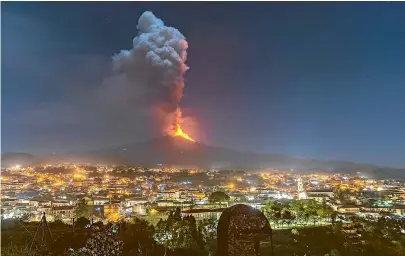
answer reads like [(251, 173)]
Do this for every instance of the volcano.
[(168, 150), (178, 151)]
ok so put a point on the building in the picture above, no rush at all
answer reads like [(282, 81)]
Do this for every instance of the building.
[(139, 209), (100, 201), (173, 204), (208, 205), (168, 195), (63, 212), (165, 203), (320, 195), (265, 192), (203, 213), (33, 203), (112, 209), (190, 194), (60, 203), (372, 210), (399, 209), (135, 201), (349, 209), (9, 202), (321, 192)]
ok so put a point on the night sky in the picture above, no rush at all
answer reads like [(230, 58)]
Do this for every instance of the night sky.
[(318, 80)]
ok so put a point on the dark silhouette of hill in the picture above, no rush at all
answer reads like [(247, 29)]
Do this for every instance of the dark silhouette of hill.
[(14, 158), (180, 152)]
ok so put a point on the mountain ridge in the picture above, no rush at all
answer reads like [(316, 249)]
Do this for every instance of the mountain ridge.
[(177, 151)]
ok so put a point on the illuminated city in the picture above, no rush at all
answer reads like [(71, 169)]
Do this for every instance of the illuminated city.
[(206, 129), (121, 192)]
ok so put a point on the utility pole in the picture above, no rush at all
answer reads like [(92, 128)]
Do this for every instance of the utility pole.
[(45, 229)]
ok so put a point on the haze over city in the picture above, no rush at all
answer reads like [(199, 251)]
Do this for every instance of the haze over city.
[(312, 80)]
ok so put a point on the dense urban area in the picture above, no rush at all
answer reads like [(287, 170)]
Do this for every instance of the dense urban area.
[(289, 140), (169, 211)]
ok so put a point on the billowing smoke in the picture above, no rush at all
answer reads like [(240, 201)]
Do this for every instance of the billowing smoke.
[(155, 66)]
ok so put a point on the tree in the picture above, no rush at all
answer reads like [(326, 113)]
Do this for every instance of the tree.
[(333, 252), (188, 233), (137, 236), (273, 210), (176, 233), (102, 242), (375, 237), (298, 208), (308, 209), (177, 214), (82, 209), (218, 197), (207, 228), (26, 217), (311, 209), (287, 216), (323, 210), (333, 217), (341, 194), (82, 222), (163, 234)]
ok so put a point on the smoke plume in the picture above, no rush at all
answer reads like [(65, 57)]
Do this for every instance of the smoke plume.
[(155, 66)]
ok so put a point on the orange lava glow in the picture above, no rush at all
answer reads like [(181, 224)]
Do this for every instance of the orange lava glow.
[(179, 132)]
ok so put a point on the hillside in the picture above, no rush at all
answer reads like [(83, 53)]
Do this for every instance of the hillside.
[(13, 158), (180, 152)]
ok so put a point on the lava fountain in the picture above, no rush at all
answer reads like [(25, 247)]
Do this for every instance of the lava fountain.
[(175, 128), (180, 133)]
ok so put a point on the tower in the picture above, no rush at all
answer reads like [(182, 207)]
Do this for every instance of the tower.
[(302, 194)]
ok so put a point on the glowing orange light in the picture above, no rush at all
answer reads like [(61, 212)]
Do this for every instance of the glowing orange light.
[(179, 132)]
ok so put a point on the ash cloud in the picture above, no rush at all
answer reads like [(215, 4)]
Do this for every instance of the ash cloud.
[(75, 101), (156, 66)]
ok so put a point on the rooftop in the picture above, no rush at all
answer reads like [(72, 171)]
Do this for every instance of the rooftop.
[(203, 210)]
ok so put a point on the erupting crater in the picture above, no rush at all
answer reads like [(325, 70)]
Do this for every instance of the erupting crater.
[(180, 133)]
